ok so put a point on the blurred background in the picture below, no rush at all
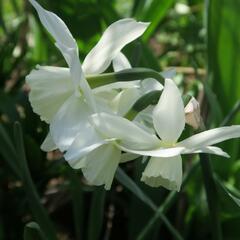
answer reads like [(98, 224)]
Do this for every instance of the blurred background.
[(41, 195)]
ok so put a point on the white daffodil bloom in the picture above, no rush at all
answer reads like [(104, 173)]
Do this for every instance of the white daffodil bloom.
[(63, 98), (165, 166)]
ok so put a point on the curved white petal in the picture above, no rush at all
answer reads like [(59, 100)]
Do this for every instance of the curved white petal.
[(120, 62), (50, 87), (165, 172), (124, 100), (84, 143), (68, 47), (169, 73), (211, 150), (115, 37), (101, 165), (158, 152), (127, 132), (168, 115), (150, 84), (48, 144), (211, 137), (70, 120), (55, 26)]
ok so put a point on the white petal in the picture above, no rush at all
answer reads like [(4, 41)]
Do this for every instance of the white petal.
[(150, 84), (120, 62), (211, 137), (169, 73), (165, 172), (123, 102), (116, 36), (101, 165), (168, 115), (70, 120), (50, 87), (211, 150), (158, 152), (68, 47), (127, 132), (83, 145), (48, 144), (55, 26)]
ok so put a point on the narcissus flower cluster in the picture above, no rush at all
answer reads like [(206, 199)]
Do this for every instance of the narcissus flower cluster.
[(90, 125)]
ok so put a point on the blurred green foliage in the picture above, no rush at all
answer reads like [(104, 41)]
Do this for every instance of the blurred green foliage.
[(200, 39)]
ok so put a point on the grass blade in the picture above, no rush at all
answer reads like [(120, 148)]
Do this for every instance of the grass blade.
[(96, 215)]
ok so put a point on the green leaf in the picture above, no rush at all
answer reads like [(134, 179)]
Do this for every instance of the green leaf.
[(126, 181), (233, 197), (96, 215), (223, 50), (32, 231), (8, 152), (77, 201), (152, 11)]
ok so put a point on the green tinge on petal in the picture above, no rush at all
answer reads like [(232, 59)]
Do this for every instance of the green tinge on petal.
[(165, 172), (101, 165)]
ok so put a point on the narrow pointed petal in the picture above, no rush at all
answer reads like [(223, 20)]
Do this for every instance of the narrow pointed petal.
[(68, 47), (168, 115), (211, 137), (101, 165), (128, 133), (169, 73), (50, 87), (70, 120), (116, 36), (55, 26), (157, 152), (211, 150), (165, 172), (48, 144), (120, 62)]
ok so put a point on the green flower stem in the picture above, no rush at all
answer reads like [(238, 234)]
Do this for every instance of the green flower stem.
[(212, 196), (125, 75), (163, 208)]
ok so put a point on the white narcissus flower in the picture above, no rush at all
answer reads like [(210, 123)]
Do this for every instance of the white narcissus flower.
[(63, 98), (165, 166)]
